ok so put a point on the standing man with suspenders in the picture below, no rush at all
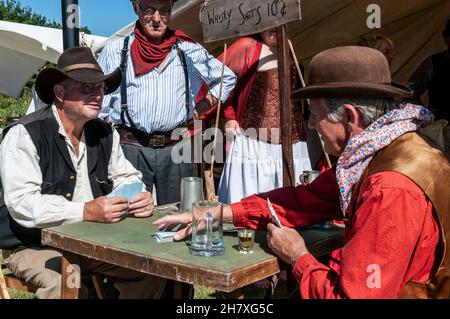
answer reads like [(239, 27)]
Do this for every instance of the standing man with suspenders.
[(163, 71)]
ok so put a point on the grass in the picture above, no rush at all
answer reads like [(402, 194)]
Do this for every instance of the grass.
[(204, 293), (250, 292)]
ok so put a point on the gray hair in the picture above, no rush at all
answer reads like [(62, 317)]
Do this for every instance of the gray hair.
[(369, 109)]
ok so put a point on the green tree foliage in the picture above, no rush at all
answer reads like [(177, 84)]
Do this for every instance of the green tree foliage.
[(11, 109), (13, 11)]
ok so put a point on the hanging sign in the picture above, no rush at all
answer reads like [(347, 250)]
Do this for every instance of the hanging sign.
[(225, 19)]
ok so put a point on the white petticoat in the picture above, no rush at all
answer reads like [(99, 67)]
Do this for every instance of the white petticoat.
[(254, 167)]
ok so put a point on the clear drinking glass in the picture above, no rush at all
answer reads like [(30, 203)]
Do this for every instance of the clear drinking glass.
[(207, 229)]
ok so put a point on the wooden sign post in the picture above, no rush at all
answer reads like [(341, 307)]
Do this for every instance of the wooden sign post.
[(223, 20), (286, 115)]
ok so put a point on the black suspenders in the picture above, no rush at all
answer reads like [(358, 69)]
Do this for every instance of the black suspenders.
[(123, 86), (186, 79)]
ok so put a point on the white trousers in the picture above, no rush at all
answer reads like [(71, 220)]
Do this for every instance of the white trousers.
[(254, 167)]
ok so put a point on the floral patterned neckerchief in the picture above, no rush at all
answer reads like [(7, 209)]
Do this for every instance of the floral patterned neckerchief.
[(361, 148)]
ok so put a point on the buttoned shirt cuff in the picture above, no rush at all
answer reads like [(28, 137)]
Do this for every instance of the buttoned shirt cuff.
[(215, 92), (304, 264), (248, 212), (239, 214), (74, 211)]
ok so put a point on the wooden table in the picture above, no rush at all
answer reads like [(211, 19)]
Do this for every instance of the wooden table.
[(130, 244)]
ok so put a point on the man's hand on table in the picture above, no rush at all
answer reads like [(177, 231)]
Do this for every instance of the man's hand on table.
[(185, 219), (286, 243), (170, 221)]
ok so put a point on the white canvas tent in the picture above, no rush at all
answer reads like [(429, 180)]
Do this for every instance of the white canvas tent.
[(414, 25), (24, 49)]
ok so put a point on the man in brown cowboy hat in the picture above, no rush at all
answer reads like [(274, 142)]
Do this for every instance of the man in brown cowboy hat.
[(391, 187), (57, 166)]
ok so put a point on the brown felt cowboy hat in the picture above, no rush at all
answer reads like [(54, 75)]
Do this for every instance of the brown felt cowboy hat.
[(351, 72), (77, 64)]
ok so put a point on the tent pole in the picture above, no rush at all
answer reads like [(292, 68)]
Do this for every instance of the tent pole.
[(285, 106), (70, 23)]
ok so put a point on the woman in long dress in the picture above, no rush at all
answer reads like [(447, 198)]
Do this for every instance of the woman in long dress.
[(254, 162)]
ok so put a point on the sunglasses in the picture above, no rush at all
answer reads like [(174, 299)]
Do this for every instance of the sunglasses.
[(88, 88)]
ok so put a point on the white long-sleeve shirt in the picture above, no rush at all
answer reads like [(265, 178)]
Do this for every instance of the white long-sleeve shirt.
[(22, 179)]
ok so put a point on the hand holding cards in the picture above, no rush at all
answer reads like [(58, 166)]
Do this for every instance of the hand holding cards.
[(129, 191)]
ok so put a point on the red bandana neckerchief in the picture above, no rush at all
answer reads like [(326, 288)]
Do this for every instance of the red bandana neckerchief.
[(147, 55)]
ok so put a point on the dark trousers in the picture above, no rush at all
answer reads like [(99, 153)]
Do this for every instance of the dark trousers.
[(159, 170)]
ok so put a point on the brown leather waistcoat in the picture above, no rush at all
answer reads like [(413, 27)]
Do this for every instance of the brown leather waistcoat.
[(417, 157)]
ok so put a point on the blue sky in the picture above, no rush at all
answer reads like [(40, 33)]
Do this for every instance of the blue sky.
[(103, 17)]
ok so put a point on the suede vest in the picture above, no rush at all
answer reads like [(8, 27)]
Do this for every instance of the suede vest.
[(418, 158), (58, 173)]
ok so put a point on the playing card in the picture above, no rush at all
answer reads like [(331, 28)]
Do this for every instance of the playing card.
[(275, 218), (165, 237), (129, 191)]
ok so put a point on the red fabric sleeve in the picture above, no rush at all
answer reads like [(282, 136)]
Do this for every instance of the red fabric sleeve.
[(393, 238), (229, 113), (242, 59), (296, 206)]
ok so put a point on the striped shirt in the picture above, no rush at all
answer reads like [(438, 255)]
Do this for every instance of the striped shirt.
[(156, 101)]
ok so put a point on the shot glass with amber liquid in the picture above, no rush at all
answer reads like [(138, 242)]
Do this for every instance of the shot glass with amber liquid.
[(246, 241)]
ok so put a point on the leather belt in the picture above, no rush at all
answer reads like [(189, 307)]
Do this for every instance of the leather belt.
[(140, 138)]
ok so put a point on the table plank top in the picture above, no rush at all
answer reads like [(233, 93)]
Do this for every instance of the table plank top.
[(130, 244)]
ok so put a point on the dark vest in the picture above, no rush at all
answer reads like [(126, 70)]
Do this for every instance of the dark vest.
[(439, 88), (58, 174)]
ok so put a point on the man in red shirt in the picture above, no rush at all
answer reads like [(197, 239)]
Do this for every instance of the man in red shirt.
[(390, 186)]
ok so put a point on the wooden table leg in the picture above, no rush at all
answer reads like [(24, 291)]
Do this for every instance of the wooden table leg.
[(177, 290), (182, 291), (70, 276)]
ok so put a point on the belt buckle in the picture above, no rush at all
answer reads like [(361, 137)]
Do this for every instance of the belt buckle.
[(159, 140)]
